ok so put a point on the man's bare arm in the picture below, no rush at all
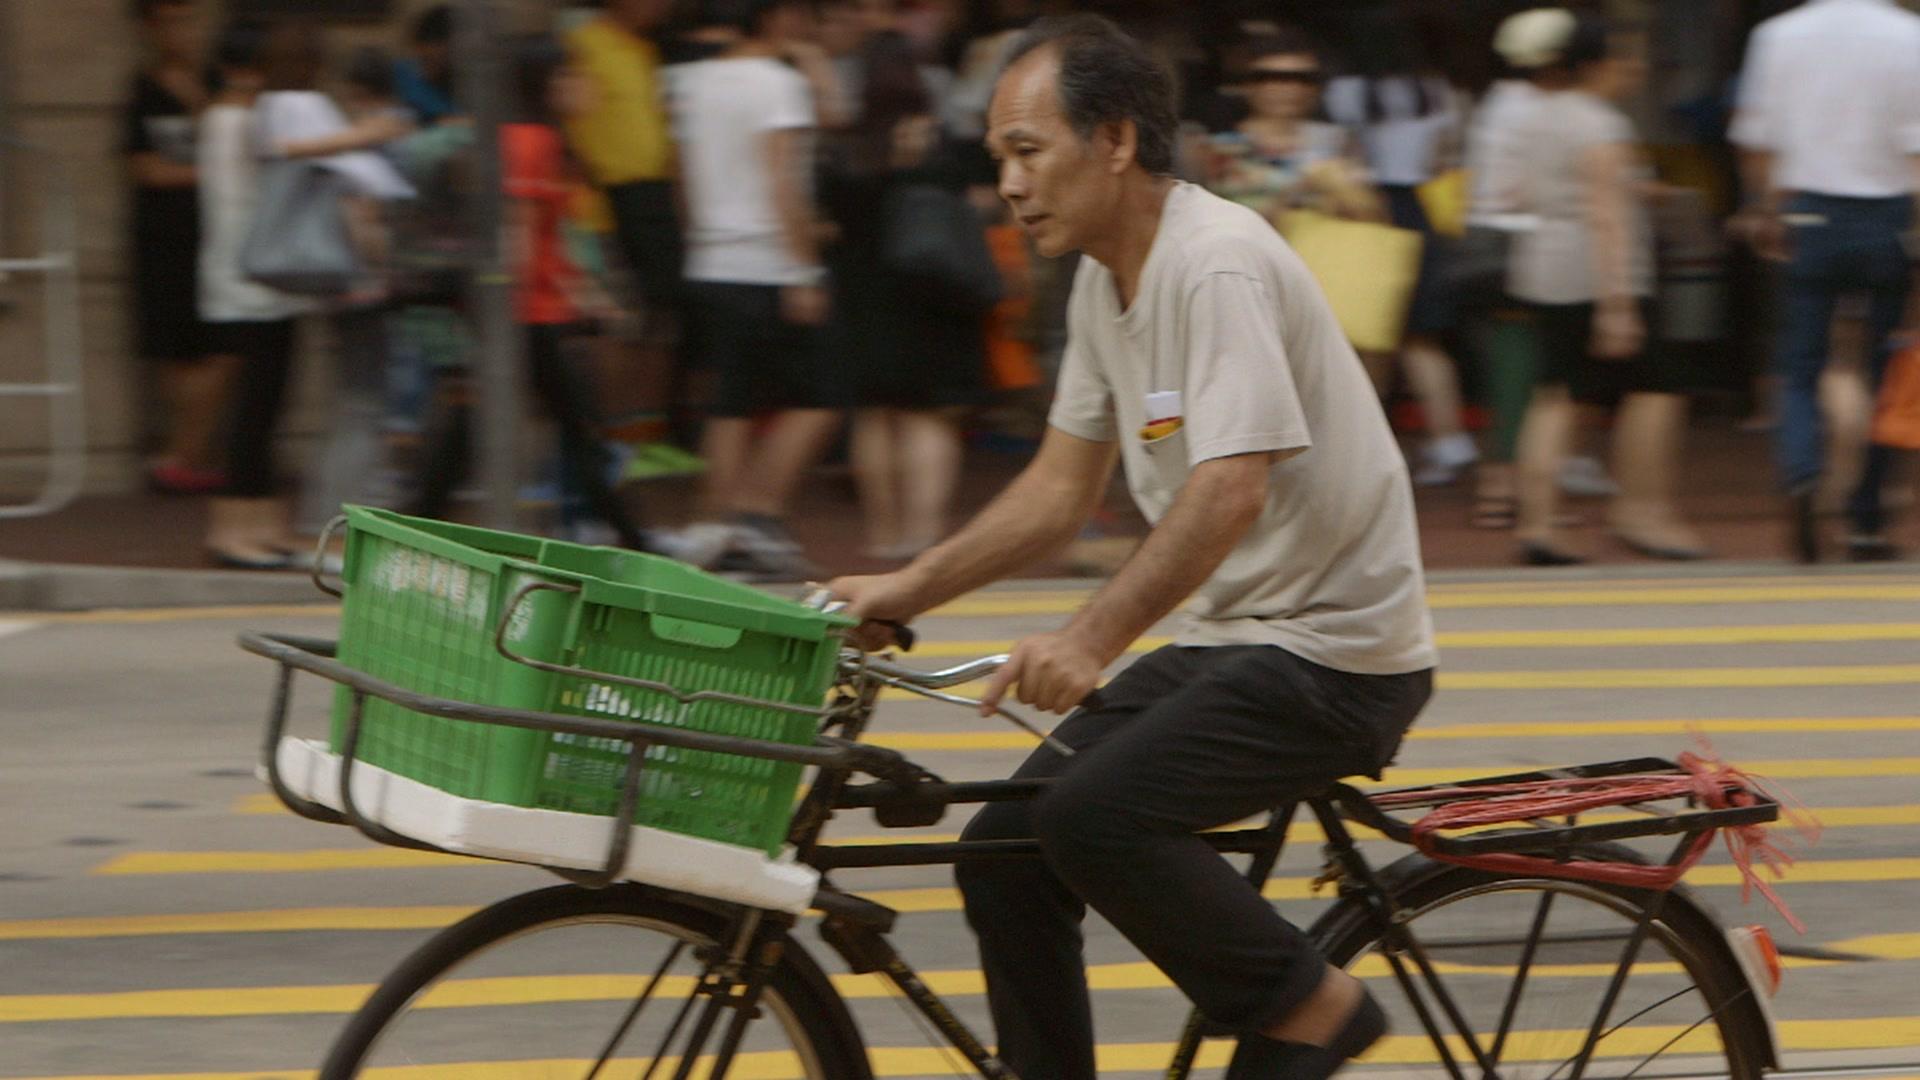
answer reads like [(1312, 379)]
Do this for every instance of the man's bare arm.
[(1033, 518), (1220, 501)]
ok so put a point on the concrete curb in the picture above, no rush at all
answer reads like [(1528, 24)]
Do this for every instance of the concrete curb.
[(28, 586), (32, 586)]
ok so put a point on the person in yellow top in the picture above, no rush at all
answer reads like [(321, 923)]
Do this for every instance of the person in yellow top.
[(625, 141)]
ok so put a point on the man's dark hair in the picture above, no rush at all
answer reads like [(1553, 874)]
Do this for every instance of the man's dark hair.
[(1106, 77), (434, 26)]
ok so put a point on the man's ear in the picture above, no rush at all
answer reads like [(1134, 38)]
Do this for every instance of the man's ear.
[(1119, 144)]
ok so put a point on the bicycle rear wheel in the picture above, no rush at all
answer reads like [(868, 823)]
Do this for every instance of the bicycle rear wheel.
[(545, 985), (1526, 963)]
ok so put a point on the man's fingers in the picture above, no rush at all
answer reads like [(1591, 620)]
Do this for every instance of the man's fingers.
[(997, 686)]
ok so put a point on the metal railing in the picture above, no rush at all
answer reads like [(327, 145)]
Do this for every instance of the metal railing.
[(57, 267)]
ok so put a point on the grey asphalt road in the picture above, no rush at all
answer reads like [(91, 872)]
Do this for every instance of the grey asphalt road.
[(158, 918)]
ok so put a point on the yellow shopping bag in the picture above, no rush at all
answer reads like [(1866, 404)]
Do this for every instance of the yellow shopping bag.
[(1368, 272), (1444, 198)]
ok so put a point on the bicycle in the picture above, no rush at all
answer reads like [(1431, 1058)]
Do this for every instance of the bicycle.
[(699, 986)]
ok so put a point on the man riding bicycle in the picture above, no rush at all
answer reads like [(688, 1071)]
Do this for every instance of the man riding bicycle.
[(1203, 356)]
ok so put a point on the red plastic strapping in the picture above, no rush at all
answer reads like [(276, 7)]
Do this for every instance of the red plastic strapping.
[(1711, 781)]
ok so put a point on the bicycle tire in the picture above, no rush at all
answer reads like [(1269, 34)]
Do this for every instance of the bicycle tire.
[(1418, 884), (797, 984)]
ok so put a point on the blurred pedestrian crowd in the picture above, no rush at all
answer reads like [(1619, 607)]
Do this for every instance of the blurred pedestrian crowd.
[(749, 234)]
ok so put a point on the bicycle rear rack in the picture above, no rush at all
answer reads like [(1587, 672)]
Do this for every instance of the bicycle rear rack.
[(57, 266)]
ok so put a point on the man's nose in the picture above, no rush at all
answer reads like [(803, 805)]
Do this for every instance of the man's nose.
[(1013, 183)]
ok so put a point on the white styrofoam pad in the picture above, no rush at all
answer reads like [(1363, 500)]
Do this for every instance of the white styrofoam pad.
[(547, 837)]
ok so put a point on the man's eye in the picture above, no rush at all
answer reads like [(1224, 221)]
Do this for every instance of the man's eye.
[(1026, 151)]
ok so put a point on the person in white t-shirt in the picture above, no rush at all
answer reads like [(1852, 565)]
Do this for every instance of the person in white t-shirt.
[(756, 288), (1203, 356)]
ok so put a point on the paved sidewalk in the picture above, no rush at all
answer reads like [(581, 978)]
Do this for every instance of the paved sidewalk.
[(111, 551)]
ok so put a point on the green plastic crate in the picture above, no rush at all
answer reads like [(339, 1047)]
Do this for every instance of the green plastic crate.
[(421, 602)]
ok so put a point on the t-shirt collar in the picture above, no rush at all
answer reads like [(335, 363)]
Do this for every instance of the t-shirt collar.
[(1133, 319)]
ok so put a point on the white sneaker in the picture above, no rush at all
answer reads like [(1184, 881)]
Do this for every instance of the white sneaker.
[(1585, 477), (1442, 459), (701, 544)]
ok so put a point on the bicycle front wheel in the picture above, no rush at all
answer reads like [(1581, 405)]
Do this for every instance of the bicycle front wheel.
[(1525, 964), (590, 984)]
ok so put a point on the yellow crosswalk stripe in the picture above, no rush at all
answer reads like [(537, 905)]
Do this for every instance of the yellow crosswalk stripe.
[(386, 858), (1622, 637), (1864, 1033), (466, 993), (1426, 731), (1805, 872), (1661, 678), (1802, 873), (1599, 594), (1413, 776)]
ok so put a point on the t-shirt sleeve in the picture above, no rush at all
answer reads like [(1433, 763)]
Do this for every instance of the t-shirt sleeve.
[(1082, 400), (1240, 396), (1753, 120), (789, 103)]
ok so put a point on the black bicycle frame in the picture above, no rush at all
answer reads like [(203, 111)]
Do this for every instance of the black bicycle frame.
[(737, 971)]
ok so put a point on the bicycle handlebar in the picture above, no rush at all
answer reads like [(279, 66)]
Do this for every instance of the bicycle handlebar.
[(970, 671)]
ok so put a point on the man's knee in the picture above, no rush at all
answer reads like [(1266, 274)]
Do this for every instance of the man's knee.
[(993, 883)]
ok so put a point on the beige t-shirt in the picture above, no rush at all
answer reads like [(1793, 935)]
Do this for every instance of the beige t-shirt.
[(1553, 264), (1231, 336)]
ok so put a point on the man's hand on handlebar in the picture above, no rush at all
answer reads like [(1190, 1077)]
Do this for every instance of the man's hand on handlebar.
[(1052, 672), (884, 604)]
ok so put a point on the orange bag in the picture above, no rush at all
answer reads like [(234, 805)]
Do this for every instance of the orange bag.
[(1010, 363), (1896, 416)]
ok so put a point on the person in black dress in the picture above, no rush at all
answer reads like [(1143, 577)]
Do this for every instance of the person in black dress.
[(165, 217), (914, 359)]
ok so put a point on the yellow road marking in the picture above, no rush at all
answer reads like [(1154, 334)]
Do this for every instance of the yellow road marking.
[(1627, 678), (552, 989), (1802, 873), (925, 899), (235, 922), (1545, 639), (1520, 729), (387, 858), (1868, 1033), (1599, 594), (1409, 776)]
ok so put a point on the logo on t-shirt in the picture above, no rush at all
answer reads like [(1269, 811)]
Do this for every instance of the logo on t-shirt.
[(1163, 415)]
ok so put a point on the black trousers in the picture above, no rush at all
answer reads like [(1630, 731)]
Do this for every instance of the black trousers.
[(259, 397), (1185, 740), (568, 402)]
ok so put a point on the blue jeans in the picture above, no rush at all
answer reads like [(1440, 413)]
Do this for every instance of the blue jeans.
[(1855, 250)]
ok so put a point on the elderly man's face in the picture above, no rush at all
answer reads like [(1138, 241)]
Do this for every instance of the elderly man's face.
[(1062, 188)]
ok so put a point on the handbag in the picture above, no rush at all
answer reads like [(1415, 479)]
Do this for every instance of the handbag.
[(1896, 414), (933, 237), (1475, 269), (1367, 271), (298, 240)]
